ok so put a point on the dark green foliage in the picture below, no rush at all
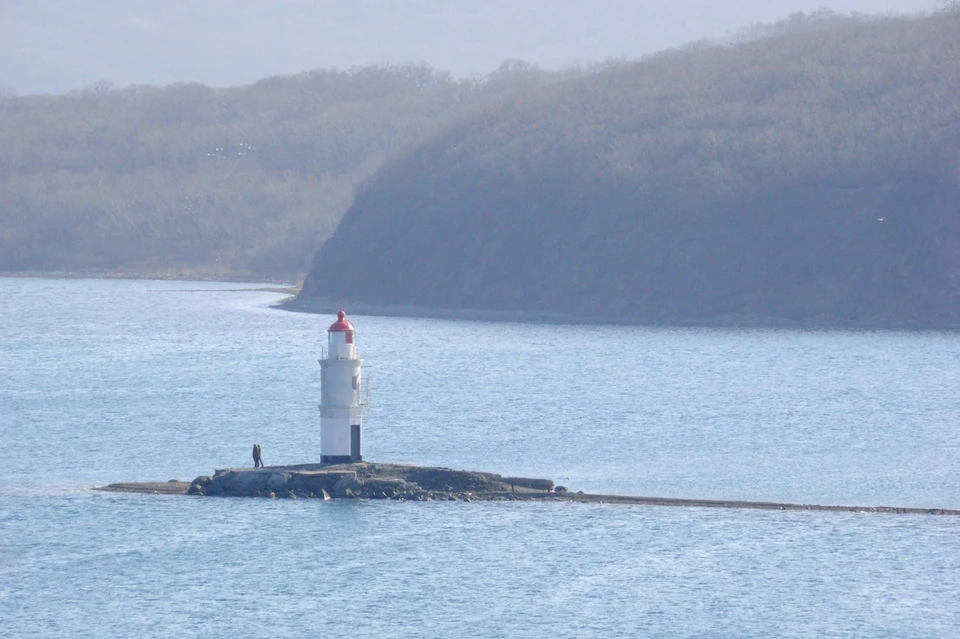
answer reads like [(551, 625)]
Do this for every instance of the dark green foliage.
[(813, 176), (192, 180)]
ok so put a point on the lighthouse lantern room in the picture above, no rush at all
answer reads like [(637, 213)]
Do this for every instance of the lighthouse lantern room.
[(341, 405)]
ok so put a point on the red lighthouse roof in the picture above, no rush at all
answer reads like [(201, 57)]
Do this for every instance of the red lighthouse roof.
[(342, 324)]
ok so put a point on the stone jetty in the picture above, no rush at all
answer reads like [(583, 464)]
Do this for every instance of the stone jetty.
[(399, 482)]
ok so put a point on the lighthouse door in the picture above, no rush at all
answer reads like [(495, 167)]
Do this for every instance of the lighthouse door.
[(355, 455)]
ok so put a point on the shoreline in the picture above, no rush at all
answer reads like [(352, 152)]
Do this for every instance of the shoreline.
[(397, 482), (282, 287), (158, 276), (327, 306)]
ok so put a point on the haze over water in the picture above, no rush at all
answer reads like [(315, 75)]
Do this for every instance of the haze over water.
[(108, 381)]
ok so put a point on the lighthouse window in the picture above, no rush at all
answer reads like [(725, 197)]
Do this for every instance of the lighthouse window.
[(349, 337), (356, 382)]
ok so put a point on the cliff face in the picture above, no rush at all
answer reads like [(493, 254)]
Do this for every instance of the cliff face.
[(812, 177)]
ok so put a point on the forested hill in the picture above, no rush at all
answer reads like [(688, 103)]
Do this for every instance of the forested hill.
[(810, 177), (190, 180)]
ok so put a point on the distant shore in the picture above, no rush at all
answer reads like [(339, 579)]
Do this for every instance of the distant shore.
[(327, 306), (162, 276), (282, 287)]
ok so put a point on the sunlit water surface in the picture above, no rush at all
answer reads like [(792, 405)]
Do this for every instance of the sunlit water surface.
[(104, 381)]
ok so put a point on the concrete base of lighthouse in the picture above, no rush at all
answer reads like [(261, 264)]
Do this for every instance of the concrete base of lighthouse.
[(348, 449)]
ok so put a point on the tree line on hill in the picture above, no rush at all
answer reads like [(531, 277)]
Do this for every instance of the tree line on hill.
[(811, 176), (189, 180)]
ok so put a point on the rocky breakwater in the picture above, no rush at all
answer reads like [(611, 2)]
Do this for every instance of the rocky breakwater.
[(418, 483), (369, 481)]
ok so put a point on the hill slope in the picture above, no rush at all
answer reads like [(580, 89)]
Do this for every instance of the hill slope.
[(809, 177), (191, 180)]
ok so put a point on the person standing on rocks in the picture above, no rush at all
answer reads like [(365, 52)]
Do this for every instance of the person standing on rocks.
[(257, 456)]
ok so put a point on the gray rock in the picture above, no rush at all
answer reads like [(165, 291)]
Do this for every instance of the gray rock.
[(240, 483), (276, 481), (347, 484)]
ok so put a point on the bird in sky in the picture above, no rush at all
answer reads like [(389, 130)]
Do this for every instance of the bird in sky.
[(881, 219)]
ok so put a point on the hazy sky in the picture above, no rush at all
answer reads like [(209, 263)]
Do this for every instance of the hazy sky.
[(58, 45)]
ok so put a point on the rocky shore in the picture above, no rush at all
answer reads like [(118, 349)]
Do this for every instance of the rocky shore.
[(365, 481), (418, 483)]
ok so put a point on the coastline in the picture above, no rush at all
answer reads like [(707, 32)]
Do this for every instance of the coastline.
[(282, 286), (326, 306), (158, 276)]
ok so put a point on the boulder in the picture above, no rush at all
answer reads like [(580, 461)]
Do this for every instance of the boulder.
[(278, 481), (384, 488), (347, 484), (201, 485), (240, 483), (313, 481)]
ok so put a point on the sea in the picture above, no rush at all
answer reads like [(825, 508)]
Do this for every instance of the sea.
[(117, 380)]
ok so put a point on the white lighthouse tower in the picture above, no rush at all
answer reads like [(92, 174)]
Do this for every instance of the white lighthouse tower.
[(341, 407)]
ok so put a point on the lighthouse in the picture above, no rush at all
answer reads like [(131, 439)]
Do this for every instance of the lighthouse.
[(341, 407)]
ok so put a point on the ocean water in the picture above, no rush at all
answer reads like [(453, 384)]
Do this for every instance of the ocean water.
[(104, 381)]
